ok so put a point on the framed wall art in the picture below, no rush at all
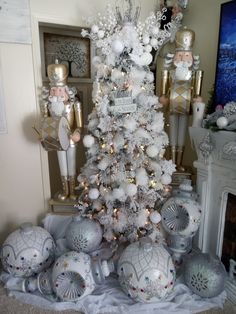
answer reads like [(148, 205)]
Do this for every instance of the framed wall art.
[(68, 46), (225, 80)]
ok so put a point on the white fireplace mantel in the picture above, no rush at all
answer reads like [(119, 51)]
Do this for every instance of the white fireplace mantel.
[(216, 177)]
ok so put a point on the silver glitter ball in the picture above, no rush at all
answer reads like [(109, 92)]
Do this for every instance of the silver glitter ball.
[(83, 235), (205, 275)]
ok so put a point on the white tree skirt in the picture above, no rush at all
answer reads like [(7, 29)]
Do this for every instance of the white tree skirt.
[(109, 298)]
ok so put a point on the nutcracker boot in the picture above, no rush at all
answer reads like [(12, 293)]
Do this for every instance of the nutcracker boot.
[(72, 188), (65, 189)]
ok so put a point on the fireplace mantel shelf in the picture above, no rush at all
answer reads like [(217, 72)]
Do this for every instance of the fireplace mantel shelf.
[(214, 147)]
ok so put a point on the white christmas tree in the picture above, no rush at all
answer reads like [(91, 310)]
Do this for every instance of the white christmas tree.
[(125, 173)]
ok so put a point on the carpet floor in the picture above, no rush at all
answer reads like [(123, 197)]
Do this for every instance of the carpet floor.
[(9, 305)]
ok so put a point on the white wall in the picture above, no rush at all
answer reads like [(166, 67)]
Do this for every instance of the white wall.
[(24, 183), (21, 193)]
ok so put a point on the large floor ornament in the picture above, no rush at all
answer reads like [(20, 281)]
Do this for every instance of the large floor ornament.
[(205, 275), (83, 234), (27, 251), (181, 217), (146, 271), (75, 275)]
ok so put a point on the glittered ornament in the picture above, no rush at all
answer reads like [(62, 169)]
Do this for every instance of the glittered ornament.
[(152, 151), (153, 42), (146, 271), (101, 34), (155, 217), (205, 275), (83, 234), (166, 179), (146, 39), (117, 46), (155, 30), (94, 29), (27, 251), (148, 48), (88, 141), (222, 122), (93, 194)]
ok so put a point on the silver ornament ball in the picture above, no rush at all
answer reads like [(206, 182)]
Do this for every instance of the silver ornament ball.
[(205, 275), (83, 235)]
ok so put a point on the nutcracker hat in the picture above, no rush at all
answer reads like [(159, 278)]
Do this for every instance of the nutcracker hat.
[(184, 39), (57, 73)]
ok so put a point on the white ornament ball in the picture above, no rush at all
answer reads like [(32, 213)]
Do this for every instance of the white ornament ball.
[(146, 58), (131, 189), (152, 151), (151, 269), (222, 122), (166, 179), (88, 141), (150, 77), (93, 194), (101, 34), (155, 30), (148, 48), (118, 193), (155, 217), (153, 42), (27, 251), (95, 29), (146, 39), (117, 46)]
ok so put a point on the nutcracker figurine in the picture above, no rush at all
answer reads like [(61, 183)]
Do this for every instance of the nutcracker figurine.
[(62, 126), (181, 85)]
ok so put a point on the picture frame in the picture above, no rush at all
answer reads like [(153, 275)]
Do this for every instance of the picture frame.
[(225, 79), (66, 44)]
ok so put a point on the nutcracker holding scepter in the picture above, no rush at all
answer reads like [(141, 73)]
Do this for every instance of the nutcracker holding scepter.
[(61, 126), (181, 86)]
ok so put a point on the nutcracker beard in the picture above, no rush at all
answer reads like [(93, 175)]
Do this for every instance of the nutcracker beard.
[(56, 106), (182, 72)]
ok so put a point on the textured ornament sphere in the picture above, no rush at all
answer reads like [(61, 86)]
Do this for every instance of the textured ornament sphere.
[(72, 276), (88, 141), (153, 42), (117, 46), (93, 194), (146, 58), (148, 48), (27, 251), (166, 179), (181, 216), (146, 39), (131, 189), (101, 34), (94, 29), (146, 271), (150, 77), (205, 275), (152, 151), (155, 30), (83, 235), (222, 122), (155, 217)]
